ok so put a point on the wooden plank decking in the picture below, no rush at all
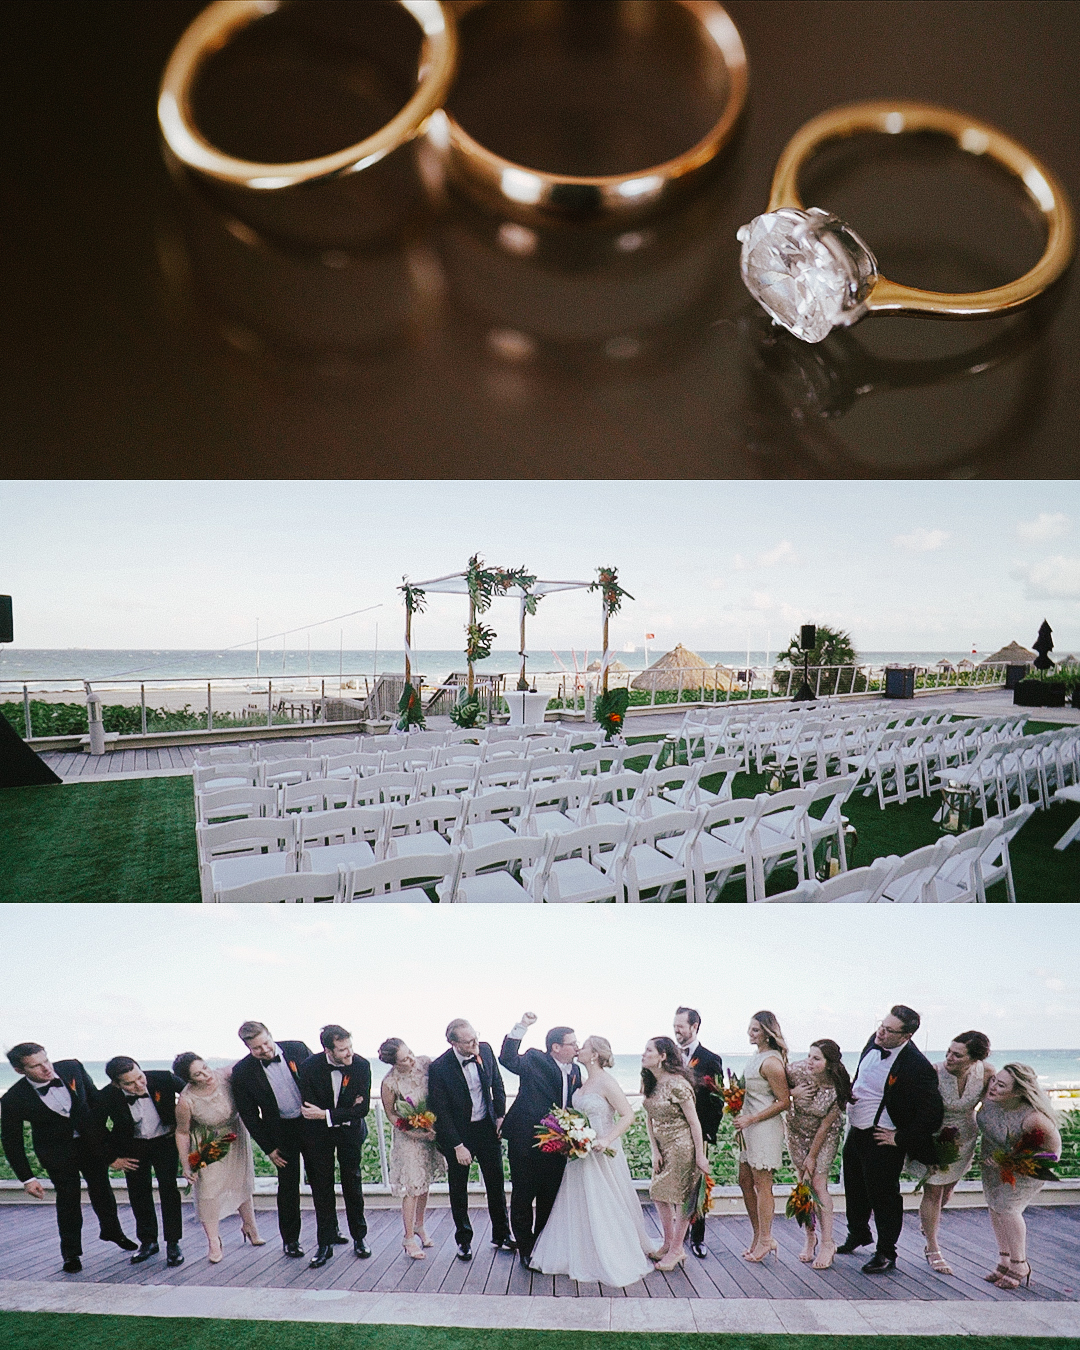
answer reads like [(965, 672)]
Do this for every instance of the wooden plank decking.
[(29, 1250)]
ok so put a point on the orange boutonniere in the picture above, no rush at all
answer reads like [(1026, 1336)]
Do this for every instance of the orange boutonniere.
[(157, 1096), (892, 1080), (344, 1080), (292, 1065), (72, 1085)]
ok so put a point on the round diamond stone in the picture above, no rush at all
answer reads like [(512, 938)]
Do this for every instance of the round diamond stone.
[(807, 269)]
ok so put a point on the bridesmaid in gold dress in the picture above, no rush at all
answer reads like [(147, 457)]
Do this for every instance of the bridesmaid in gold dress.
[(762, 1129), (414, 1160), (820, 1089), (678, 1148)]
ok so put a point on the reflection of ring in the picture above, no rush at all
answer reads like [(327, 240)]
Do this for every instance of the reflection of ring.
[(521, 189), (220, 22), (811, 272)]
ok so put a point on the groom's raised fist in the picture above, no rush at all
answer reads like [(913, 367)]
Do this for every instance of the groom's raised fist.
[(527, 1019)]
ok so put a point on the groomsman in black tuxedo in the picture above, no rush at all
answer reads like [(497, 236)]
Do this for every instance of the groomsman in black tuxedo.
[(702, 1064), (141, 1107), (266, 1090), (545, 1080), (336, 1088), (60, 1102), (895, 1111), (465, 1090)]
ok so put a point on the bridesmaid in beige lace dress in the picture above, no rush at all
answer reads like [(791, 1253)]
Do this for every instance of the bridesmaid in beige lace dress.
[(205, 1108), (963, 1080), (414, 1160), (820, 1089), (767, 1097), (678, 1148)]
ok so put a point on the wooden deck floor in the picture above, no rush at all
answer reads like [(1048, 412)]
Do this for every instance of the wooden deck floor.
[(29, 1249)]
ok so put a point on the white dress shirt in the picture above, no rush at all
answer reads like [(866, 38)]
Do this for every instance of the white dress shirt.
[(565, 1070), (286, 1093), (471, 1070), (869, 1088), (689, 1051), (144, 1115)]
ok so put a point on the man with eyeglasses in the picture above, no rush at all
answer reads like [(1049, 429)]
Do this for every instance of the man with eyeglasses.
[(545, 1079), (895, 1110)]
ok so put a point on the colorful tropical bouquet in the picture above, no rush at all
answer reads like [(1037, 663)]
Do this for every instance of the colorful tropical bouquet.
[(609, 709), (567, 1132), (1028, 1157), (210, 1148), (412, 1115), (699, 1201), (946, 1151), (734, 1094), (802, 1206)]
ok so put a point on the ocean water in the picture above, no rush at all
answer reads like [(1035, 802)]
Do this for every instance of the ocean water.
[(68, 667), (1056, 1068)]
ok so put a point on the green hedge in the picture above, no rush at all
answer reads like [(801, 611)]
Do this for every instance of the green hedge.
[(69, 719)]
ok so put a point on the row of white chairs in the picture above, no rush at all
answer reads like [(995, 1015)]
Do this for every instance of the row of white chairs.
[(657, 845), (956, 869), (1031, 768)]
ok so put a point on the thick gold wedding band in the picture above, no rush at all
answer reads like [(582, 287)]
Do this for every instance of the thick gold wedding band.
[(220, 22), (533, 193), (811, 272)]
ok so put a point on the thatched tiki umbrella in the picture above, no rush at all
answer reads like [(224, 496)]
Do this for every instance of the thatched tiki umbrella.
[(682, 669), (1011, 655)]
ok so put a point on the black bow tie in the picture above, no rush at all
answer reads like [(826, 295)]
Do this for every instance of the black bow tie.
[(883, 1053), (275, 1060), (56, 1082), (139, 1097)]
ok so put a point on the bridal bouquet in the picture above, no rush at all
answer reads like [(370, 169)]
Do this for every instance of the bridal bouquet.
[(210, 1149), (1028, 1157), (413, 1115), (567, 1132), (734, 1094), (802, 1206)]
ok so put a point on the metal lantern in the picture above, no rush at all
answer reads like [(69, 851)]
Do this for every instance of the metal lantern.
[(957, 801), (830, 863), (668, 757)]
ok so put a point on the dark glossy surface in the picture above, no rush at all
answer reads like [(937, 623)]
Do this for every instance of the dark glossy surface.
[(154, 331)]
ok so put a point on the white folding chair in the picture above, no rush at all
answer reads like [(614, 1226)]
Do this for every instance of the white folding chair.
[(348, 838), (386, 788), (618, 795), (218, 777), (486, 875), (724, 843), (239, 851), (452, 780), (329, 746), (236, 803), (295, 888), (224, 754), (492, 816), (408, 880), (557, 808), (780, 836), (352, 764), (545, 767), (282, 771), (318, 794), (510, 771), (582, 866), (424, 825), (859, 886), (661, 855), (1068, 794)]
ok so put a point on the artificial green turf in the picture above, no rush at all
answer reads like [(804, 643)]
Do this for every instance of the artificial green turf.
[(101, 1331), (127, 841)]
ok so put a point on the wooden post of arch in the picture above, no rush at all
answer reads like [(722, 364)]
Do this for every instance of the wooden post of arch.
[(472, 621)]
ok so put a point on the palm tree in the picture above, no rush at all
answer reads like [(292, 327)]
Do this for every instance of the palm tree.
[(833, 648)]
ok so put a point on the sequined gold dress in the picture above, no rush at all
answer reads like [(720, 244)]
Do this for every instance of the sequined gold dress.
[(673, 1182), (803, 1122)]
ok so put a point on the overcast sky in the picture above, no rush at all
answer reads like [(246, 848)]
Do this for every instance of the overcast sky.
[(903, 566), (97, 980)]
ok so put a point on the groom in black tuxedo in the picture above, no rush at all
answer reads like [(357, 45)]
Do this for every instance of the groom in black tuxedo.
[(545, 1080), (267, 1094), (896, 1109), (336, 1088), (702, 1064), (60, 1103), (465, 1090), (141, 1108)]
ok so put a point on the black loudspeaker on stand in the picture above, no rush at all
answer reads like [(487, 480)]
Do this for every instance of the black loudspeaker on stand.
[(807, 643)]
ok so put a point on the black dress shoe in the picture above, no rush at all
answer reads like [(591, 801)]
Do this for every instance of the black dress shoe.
[(122, 1241), (145, 1252), (173, 1255), (323, 1253), (72, 1265), (464, 1251), (852, 1241), (339, 1240), (362, 1250), (699, 1249), (879, 1264), (507, 1244), (292, 1249)]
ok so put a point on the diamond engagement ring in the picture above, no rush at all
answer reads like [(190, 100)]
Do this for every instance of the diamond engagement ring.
[(812, 273)]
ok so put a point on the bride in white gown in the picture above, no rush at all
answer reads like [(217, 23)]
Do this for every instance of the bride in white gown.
[(596, 1231)]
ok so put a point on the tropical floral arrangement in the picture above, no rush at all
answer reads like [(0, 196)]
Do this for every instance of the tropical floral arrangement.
[(1028, 1157), (699, 1201), (478, 640), (610, 710), (802, 1206), (467, 713), (567, 1132), (209, 1149), (413, 1115), (734, 1094), (946, 1151), (410, 709), (607, 581)]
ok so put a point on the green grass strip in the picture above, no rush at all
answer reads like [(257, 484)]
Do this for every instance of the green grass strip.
[(101, 1331)]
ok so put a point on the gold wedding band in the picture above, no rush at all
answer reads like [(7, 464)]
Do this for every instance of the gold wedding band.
[(215, 27), (811, 272), (533, 193)]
